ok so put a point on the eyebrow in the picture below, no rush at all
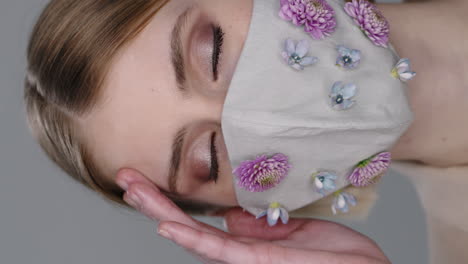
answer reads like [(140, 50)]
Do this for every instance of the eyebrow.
[(176, 157), (177, 57)]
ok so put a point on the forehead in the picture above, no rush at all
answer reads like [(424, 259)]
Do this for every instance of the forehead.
[(129, 127)]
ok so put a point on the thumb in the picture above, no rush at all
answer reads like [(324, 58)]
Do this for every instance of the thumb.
[(241, 223)]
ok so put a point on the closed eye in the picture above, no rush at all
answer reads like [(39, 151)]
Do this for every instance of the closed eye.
[(218, 40), (214, 169)]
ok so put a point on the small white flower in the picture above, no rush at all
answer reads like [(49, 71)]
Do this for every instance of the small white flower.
[(342, 95), (275, 212), (324, 182), (348, 58), (403, 71), (342, 202), (296, 55)]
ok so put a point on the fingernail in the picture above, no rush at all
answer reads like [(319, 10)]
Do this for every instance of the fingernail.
[(165, 233), (133, 200), (122, 183)]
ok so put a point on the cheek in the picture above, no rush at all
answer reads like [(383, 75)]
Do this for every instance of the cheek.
[(127, 138), (221, 193)]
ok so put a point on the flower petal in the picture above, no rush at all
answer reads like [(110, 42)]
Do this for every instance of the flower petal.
[(333, 101), (329, 185), (318, 183), (341, 201), (317, 34), (367, 16), (350, 9), (271, 221), (345, 208), (336, 89), (260, 215), (285, 56), (273, 213), (350, 198), (262, 173), (406, 76), (349, 91), (284, 2), (368, 169), (403, 63), (347, 104), (329, 175), (333, 209), (354, 65), (284, 215), (342, 50), (302, 48), (290, 47), (308, 61), (297, 67), (355, 55)]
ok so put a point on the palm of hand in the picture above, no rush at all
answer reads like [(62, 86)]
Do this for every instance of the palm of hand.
[(251, 240)]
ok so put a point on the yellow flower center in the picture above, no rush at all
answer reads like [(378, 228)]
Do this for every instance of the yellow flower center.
[(266, 180), (275, 205), (316, 4), (378, 16), (395, 73)]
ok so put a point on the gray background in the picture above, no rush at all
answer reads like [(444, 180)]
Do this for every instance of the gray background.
[(47, 218)]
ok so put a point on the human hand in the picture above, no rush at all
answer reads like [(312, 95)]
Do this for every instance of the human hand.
[(249, 240)]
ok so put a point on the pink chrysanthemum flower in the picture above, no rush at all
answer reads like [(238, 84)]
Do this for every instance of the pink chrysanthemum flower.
[(370, 20), (262, 173), (368, 169), (317, 16)]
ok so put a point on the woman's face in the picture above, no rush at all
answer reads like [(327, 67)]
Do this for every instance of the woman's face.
[(160, 111)]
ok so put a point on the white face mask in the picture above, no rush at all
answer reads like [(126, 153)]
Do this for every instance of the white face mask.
[(312, 136)]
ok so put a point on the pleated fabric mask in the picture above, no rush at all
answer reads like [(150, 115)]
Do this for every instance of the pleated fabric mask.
[(314, 105)]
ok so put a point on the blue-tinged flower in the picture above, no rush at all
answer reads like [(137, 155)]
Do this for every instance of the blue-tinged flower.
[(296, 55), (275, 212), (324, 182), (348, 58), (403, 71), (342, 202), (342, 95)]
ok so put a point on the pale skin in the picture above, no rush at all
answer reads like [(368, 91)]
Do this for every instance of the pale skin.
[(142, 109)]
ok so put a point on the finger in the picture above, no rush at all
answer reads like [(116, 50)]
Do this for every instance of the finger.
[(143, 194), (156, 205), (127, 176), (225, 250), (215, 248), (207, 245), (241, 223)]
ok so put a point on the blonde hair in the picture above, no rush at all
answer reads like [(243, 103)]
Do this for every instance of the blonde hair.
[(70, 49), (68, 56)]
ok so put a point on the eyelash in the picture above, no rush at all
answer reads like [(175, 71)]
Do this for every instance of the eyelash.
[(214, 169), (218, 40)]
